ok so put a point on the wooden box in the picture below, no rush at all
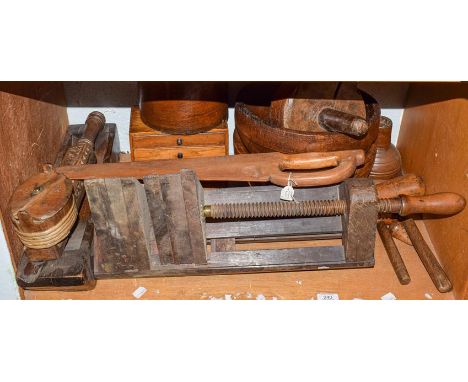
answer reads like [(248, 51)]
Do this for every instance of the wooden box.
[(147, 143)]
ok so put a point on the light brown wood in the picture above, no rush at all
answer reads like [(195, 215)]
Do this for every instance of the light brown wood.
[(147, 143), (442, 203), (264, 167), (408, 184), (178, 152), (436, 117), (33, 122), (369, 283)]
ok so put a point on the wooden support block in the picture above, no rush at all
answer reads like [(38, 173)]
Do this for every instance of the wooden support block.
[(172, 193), (193, 198), (157, 208), (360, 220), (119, 226)]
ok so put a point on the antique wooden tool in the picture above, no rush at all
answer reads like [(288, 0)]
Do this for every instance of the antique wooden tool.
[(73, 268), (162, 227), (408, 232), (45, 207), (307, 117), (305, 170)]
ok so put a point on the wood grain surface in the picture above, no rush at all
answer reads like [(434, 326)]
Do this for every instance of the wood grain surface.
[(433, 143), (370, 283), (147, 143), (33, 122)]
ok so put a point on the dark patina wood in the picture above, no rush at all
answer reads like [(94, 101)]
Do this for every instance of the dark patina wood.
[(74, 269), (360, 219)]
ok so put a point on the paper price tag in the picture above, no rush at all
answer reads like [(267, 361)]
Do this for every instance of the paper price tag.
[(287, 193), (327, 296)]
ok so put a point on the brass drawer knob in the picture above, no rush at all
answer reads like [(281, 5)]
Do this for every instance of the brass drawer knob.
[(180, 155), (179, 142)]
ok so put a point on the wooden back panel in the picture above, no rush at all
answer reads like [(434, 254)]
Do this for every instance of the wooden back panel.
[(433, 143)]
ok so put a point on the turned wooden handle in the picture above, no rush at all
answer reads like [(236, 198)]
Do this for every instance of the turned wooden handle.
[(433, 268), (393, 254), (341, 122), (409, 184), (344, 170), (444, 203), (306, 163)]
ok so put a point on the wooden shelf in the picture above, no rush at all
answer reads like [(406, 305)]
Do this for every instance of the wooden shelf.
[(371, 283)]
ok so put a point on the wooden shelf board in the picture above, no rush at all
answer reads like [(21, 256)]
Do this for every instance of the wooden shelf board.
[(371, 283)]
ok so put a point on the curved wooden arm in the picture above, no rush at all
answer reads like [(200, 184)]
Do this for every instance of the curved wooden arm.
[(344, 164)]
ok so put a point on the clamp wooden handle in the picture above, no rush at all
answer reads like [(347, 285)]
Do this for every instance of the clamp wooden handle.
[(408, 184), (434, 269), (443, 203)]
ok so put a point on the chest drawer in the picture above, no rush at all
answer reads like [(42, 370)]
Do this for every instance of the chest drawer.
[(178, 152), (148, 141)]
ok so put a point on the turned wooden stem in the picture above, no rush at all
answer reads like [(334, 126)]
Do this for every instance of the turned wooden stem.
[(433, 268), (393, 253), (341, 122)]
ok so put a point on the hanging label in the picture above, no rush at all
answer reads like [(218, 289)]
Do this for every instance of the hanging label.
[(287, 193)]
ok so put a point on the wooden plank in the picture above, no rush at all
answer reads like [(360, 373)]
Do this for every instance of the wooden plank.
[(223, 245), (320, 256), (33, 123), (107, 258), (193, 200), (136, 239), (436, 117), (366, 283), (267, 194), (157, 209), (172, 193), (275, 227)]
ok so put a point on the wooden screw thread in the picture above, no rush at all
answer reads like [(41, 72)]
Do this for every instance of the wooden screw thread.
[(441, 204)]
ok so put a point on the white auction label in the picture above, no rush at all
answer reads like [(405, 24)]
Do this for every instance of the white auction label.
[(140, 291), (327, 296), (287, 193)]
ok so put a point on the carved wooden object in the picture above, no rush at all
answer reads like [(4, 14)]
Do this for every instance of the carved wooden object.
[(308, 169), (387, 163), (183, 107), (73, 270), (309, 117), (45, 207)]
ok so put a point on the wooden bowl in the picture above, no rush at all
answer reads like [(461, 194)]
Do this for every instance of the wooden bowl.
[(259, 130), (183, 107)]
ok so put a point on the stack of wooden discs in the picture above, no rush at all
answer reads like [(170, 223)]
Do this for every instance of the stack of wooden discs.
[(307, 117)]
